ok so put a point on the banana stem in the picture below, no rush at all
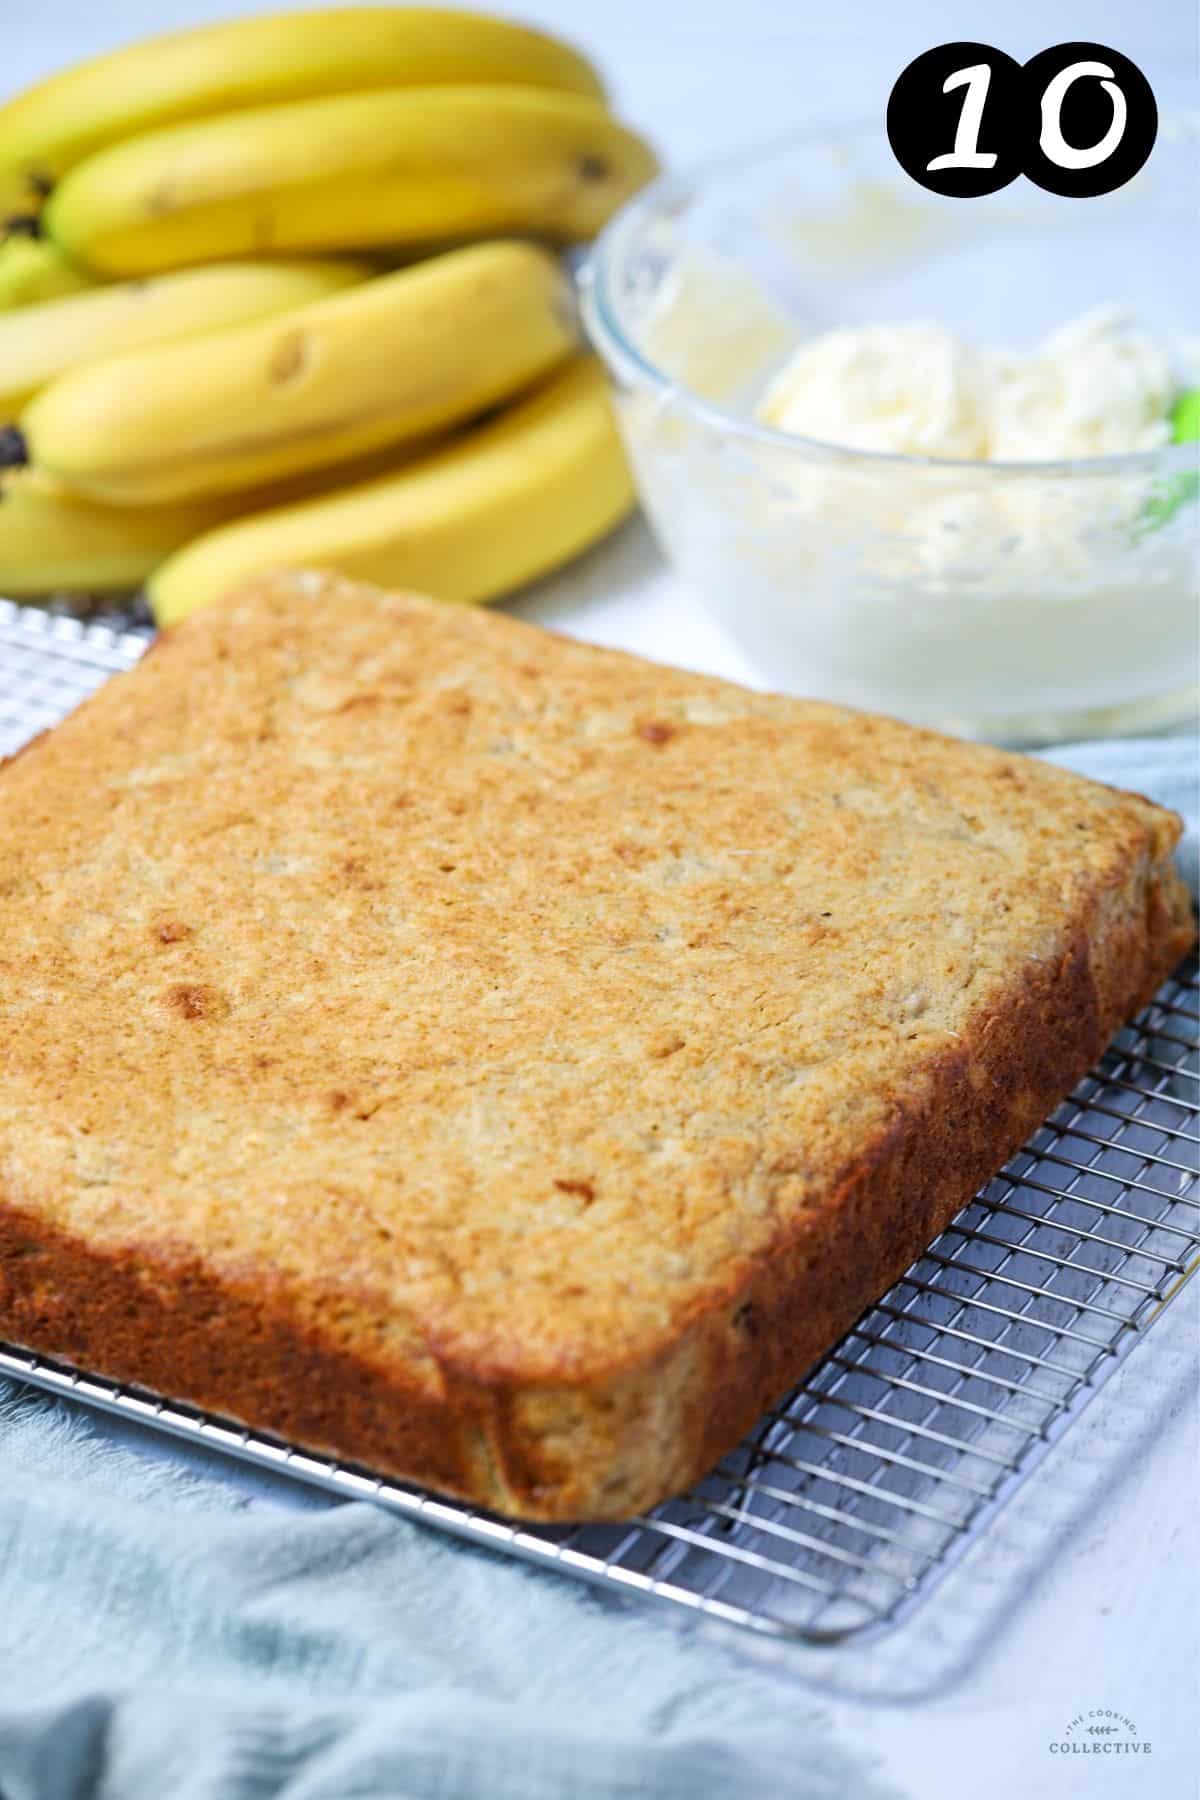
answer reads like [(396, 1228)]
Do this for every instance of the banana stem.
[(14, 451)]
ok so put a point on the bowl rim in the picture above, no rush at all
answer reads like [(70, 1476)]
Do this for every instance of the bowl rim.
[(594, 273)]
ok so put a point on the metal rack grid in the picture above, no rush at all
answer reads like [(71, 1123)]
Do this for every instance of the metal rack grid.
[(859, 1490), (50, 661)]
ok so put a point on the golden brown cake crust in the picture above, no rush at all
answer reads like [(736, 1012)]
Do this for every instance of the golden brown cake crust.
[(508, 1063)]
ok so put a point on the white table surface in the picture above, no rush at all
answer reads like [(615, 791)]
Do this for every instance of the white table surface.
[(1087, 1591)]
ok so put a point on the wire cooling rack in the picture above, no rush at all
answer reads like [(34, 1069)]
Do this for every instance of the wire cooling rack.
[(50, 661), (858, 1491)]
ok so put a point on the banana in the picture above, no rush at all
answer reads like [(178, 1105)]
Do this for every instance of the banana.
[(385, 363), (32, 269), (410, 166), (474, 518), (54, 541), (263, 61), (40, 342), (21, 200)]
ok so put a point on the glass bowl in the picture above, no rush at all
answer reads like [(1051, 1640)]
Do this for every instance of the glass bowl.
[(1021, 602)]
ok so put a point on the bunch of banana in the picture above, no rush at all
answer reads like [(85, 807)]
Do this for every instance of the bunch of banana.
[(487, 511), (386, 362), (269, 61), (343, 129), (281, 275)]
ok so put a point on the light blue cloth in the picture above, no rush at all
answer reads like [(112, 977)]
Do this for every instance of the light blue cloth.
[(163, 1638), (166, 1634)]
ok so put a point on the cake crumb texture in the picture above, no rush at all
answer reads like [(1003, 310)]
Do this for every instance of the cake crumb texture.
[(511, 1063)]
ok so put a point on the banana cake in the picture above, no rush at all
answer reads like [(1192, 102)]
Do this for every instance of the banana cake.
[(508, 1063)]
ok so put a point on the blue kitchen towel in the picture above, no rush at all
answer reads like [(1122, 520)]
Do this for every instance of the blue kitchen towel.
[(164, 1637), (169, 1633)]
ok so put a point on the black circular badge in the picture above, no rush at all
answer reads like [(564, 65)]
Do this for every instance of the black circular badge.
[(959, 120), (1096, 120)]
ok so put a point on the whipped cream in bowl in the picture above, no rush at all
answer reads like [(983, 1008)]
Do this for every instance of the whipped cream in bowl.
[(1096, 386), (916, 455)]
